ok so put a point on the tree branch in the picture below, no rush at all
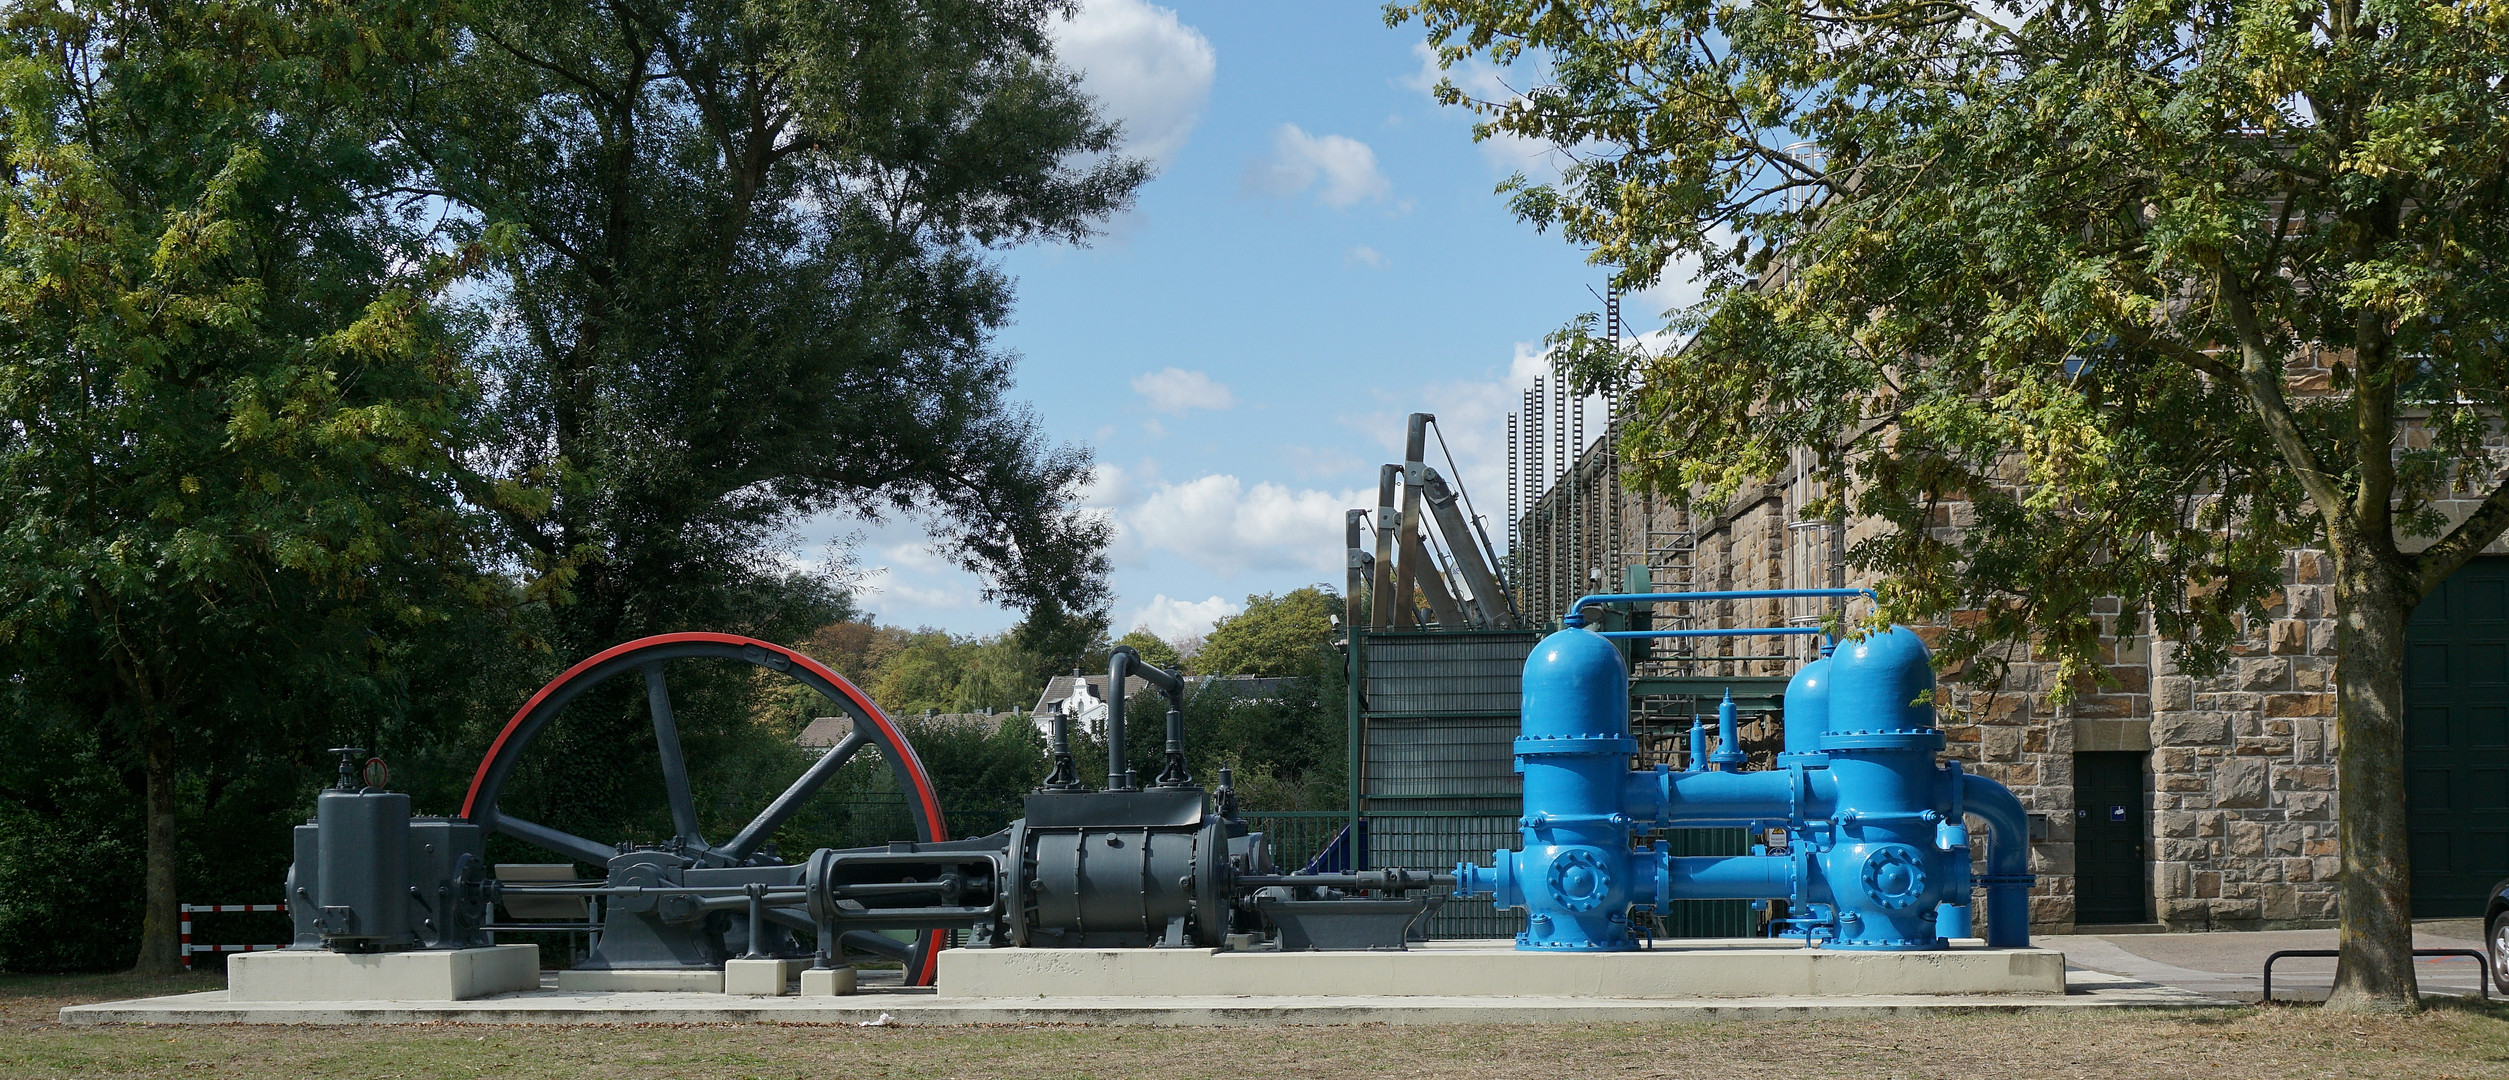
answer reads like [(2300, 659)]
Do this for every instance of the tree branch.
[(2262, 379), (2462, 543)]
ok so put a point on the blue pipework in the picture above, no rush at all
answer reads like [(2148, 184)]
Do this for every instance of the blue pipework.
[(1879, 847)]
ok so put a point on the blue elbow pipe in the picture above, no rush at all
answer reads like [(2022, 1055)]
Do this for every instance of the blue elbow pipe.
[(2008, 878)]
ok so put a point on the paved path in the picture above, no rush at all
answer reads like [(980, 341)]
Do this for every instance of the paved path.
[(2087, 990), (2230, 964), (2103, 971)]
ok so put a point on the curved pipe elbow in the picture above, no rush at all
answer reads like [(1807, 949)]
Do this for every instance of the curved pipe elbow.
[(2007, 824), (1121, 665), (2007, 859)]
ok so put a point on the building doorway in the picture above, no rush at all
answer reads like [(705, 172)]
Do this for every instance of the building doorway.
[(2456, 758), (2112, 879)]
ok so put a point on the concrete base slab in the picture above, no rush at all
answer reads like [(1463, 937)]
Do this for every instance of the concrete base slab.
[(828, 982), (587, 981), (886, 1005), (1671, 970), (292, 975), (762, 978)]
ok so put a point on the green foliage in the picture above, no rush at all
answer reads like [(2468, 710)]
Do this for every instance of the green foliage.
[(69, 819), (1287, 747), (1152, 648), (229, 415), (948, 673), (741, 279), (2055, 262), (1286, 634)]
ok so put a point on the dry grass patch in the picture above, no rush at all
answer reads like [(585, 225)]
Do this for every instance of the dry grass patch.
[(2453, 1041)]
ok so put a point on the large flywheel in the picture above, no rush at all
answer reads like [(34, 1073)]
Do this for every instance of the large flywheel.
[(643, 658)]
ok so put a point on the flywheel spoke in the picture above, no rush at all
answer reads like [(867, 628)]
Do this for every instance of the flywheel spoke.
[(790, 802), (557, 840), (666, 733)]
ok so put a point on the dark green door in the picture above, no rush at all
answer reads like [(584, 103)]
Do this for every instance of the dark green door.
[(2456, 758), (2110, 876)]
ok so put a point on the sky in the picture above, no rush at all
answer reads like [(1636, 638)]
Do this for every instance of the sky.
[(1320, 254)]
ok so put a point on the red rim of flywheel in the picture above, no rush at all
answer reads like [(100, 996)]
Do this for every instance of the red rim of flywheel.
[(924, 803)]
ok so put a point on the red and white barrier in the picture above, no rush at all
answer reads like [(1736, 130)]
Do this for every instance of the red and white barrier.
[(221, 909)]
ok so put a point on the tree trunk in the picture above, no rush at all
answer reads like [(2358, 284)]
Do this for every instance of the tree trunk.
[(160, 928), (2375, 970)]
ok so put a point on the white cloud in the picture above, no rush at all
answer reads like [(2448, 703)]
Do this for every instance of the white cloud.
[(1228, 528), (1109, 486), (1176, 620), (1341, 169), (1149, 70), (905, 603), (1311, 462), (1176, 391), (1368, 257)]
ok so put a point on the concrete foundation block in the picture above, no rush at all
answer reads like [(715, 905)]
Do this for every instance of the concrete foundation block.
[(683, 982), (760, 978), (415, 975), (827, 982), (1671, 970)]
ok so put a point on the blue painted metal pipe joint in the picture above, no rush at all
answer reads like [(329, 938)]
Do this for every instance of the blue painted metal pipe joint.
[(1878, 854)]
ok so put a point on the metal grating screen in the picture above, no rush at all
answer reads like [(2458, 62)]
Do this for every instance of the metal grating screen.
[(1426, 674)]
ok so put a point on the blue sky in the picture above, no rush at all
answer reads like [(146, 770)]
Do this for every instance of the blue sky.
[(1320, 254)]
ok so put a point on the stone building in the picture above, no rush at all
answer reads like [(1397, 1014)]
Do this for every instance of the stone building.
[(2158, 799)]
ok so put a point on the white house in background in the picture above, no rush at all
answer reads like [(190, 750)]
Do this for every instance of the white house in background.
[(1083, 697)]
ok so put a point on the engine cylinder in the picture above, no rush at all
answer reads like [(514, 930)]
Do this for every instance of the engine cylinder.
[(362, 893)]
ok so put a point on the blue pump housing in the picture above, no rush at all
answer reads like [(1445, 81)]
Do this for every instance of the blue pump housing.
[(1879, 851)]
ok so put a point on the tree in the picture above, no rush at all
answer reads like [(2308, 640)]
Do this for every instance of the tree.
[(1151, 648), (743, 281), (2066, 262), (228, 413), (1279, 635)]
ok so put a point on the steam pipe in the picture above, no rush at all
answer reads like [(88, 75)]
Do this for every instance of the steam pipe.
[(1390, 880), (1066, 774), (2008, 878), (1121, 665)]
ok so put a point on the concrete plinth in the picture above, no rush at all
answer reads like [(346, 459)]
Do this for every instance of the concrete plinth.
[(827, 982), (417, 975), (760, 978), (1672, 970), (588, 981)]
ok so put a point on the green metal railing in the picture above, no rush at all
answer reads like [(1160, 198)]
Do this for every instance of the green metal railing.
[(1296, 837)]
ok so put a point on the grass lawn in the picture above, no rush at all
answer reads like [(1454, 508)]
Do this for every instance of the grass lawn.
[(2451, 1041)]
